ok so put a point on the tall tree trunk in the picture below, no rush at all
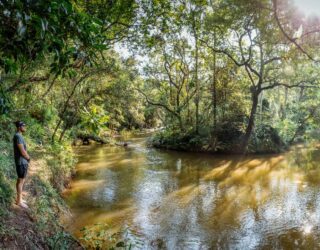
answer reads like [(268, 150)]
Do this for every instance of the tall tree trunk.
[(261, 107), (284, 110), (214, 103), (214, 87), (62, 134), (188, 108), (56, 129), (197, 95), (197, 85), (82, 78), (250, 126), (180, 123), (301, 94)]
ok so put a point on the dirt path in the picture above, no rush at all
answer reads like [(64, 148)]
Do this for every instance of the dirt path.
[(21, 229), (20, 226)]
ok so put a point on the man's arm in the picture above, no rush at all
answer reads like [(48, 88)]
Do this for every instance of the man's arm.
[(23, 152)]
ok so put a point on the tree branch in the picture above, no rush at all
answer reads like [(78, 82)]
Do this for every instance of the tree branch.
[(157, 103), (292, 40), (289, 86), (277, 58), (239, 64), (19, 82)]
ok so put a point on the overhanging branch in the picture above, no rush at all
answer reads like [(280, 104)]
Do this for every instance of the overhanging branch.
[(290, 86), (292, 40)]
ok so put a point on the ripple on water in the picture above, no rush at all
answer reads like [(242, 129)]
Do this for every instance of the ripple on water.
[(179, 200)]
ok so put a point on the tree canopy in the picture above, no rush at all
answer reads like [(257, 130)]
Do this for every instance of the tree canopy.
[(218, 75)]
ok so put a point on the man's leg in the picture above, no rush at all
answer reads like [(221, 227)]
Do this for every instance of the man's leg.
[(22, 171), (19, 187)]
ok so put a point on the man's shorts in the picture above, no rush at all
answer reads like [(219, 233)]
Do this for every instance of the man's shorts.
[(22, 170)]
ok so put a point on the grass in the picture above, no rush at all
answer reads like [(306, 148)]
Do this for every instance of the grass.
[(39, 228)]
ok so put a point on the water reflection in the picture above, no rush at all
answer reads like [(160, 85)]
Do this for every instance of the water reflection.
[(180, 200)]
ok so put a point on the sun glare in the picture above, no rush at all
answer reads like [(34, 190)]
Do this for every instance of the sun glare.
[(307, 229), (309, 7)]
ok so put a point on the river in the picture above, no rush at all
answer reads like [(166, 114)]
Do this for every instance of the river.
[(178, 200)]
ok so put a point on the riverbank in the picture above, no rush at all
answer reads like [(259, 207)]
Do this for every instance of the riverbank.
[(37, 227), (50, 172), (225, 140)]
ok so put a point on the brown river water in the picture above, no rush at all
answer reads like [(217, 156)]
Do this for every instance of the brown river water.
[(177, 200)]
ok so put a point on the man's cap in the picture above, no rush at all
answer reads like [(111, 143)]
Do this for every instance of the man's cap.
[(19, 124)]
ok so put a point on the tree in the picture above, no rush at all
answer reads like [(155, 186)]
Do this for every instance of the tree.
[(255, 44), (70, 33)]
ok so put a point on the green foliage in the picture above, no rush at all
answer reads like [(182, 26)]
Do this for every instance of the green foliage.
[(61, 165), (7, 128), (43, 114), (266, 139), (6, 191), (36, 131), (45, 208), (4, 102), (93, 120), (287, 129), (42, 208), (227, 137), (6, 231), (234, 67), (179, 141), (46, 202), (7, 173), (125, 134), (210, 69), (61, 241), (31, 29)]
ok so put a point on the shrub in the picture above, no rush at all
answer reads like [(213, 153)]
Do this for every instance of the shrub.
[(179, 141), (265, 139), (228, 137), (61, 165), (6, 173)]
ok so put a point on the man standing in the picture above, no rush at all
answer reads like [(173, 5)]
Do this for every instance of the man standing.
[(21, 159)]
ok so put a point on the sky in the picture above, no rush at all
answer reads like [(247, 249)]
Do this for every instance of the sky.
[(309, 7)]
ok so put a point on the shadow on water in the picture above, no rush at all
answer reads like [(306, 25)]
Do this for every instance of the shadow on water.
[(186, 200)]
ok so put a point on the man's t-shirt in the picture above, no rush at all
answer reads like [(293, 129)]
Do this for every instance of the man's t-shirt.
[(18, 158)]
